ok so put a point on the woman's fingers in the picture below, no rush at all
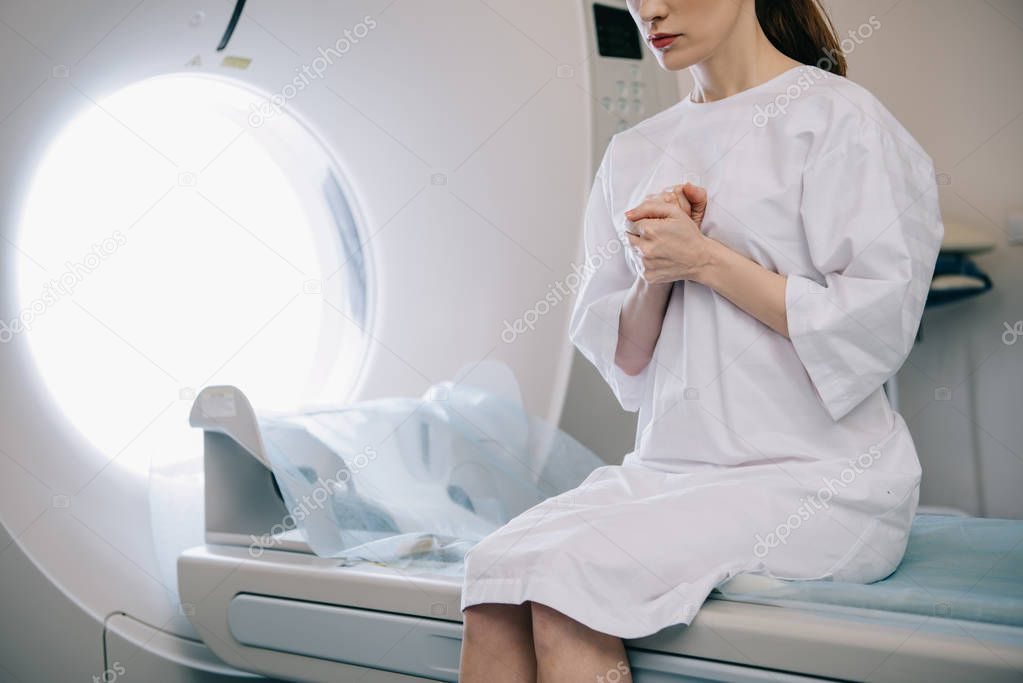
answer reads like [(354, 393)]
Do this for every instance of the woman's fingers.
[(697, 197), (695, 193), (654, 208), (664, 195), (674, 202), (681, 199)]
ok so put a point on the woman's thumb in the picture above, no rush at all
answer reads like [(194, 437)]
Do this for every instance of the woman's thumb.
[(680, 197), (697, 198)]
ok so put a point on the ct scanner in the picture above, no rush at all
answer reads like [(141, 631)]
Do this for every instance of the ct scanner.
[(358, 183), (335, 205)]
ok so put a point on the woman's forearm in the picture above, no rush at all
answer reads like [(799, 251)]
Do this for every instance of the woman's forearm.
[(639, 325), (753, 288)]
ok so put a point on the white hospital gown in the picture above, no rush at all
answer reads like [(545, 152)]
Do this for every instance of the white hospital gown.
[(754, 453)]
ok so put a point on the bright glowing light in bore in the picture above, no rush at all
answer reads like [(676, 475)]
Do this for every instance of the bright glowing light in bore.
[(166, 246)]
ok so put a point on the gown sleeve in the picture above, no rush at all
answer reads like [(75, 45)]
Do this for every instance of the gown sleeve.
[(606, 279), (873, 229)]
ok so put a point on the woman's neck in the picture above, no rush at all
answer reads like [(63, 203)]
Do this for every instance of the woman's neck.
[(745, 59)]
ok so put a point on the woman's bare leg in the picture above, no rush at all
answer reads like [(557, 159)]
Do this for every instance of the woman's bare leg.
[(497, 644), (569, 652)]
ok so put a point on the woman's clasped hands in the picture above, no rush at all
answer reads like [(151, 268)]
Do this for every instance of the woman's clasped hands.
[(665, 234)]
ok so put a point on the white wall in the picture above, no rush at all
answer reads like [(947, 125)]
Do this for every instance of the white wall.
[(952, 72)]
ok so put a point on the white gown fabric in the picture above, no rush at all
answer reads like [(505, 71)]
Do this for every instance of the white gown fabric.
[(755, 453)]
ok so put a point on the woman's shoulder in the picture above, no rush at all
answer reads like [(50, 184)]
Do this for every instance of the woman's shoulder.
[(836, 112)]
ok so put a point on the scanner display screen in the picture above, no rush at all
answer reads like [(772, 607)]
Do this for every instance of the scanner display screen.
[(617, 35)]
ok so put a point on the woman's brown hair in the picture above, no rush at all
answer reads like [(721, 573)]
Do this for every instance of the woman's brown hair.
[(802, 30)]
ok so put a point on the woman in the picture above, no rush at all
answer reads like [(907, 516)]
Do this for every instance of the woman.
[(751, 317)]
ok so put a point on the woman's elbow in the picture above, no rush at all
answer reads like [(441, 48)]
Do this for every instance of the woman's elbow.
[(631, 365)]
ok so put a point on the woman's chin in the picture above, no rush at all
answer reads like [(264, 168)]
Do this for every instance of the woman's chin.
[(676, 58)]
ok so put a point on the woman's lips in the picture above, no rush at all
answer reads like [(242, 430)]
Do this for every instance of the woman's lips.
[(662, 40)]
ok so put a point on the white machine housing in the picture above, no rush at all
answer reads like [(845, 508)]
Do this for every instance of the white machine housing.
[(466, 135)]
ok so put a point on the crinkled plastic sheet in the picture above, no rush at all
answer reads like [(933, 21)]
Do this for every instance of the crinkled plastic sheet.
[(415, 483)]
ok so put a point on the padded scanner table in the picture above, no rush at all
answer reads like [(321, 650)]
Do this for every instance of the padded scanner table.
[(291, 614)]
